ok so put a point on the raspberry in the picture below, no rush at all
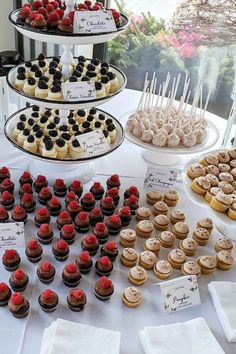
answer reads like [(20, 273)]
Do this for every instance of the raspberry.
[(116, 15), (100, 226), (71, 268), (26, 186), (44, 228), (40, 179), (82, 215), (42, 11), (71, 16), (43, 212), (27, 197), (37, 4), (49, 8), (77, 294), (111, 245), (69, 228), (115, 219), (33, 244), (17, 298), (44, 191), (88, 196), (66, 21), (76, 184), (113, 192), (62, 245), (55, 201), (108, 200), (105, 261), (91, 238), (64, 214), (105, 283), (114, 178), (26, 174), (82, 6), (46, 266), (9, 254), (96, 211), (4, 170), (3, 287), (54, 4), (19, 274), (125, 210), (18, 209), (71, 195), (97, 185), (73, 204), (133, 199), (85, 256), (47, 294), (58, 182), (60, 12)]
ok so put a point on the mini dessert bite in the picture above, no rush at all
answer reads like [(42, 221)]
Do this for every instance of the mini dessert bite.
[(114, 194), (162, 269), (176, 216), (39, 183), (196, 170), (76, 187), (113, 181), (103, 288), (167, 239), (131, 297), (191, 268), (74, 208), (107, 206), (201, 236), (207, 264), (11, 260), (18, 305), (46, 272), (76, 300), (137, 275), (71, 275), (84, 261), (171, 198), (101, 232), (97, 190), (161, 222), (88, 201), (61, 250), (103, 266), (5, 294), (221, 202), (152, 245), (82, 223), (18, 214), (110, 249), (160, 208), (34, 251), (206, 223), (224, 260), (65, 25), (132, 203), (18, 280), (48, 300), (152, 197), (27, 202), (232, 211), (54, 206), (147, 259), (4, 173), (210, 193), (4, 217), (90, 244), (42, 216), (63, 218), (223, 243), (59, 188), (143, 213), (7, 200), (181, 230), (26, 178), (200, 185), (133, 190), (25, 188), (68, 233), (128, 238), (95, 216), (61, 148), (125, 215), (144, 228), (71, 196), (44, 195), (129, 257), (113, 224), (45, 234), (189, 246), (7, 185), (176, 258), (209, 159)]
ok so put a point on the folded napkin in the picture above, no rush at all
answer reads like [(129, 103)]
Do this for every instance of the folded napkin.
[(223, 295), (192, 337), (74, 338)]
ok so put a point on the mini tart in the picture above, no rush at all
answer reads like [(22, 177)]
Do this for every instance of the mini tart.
[(147, 259), (189, 246), (171, 198), (131, 297), (224, 260), (129, 257), (176, 257), (153, 197), (220, 202), (181, 230), (201, 236), (161, 222), (113, 181), (191, 268), (113, 224), (18, 305), (88, 201), (206, 223), (76, 300), (143, 213), (48, 300), (200, 185), (71, 275), (128, 238), (97, 190), (232, 211), (42, 216), (63, 219), (132, 203), (207, 264), (137, 275), (196, 170), (162, 269), (107, 206), (167, 239), (153, 245), (223, 244), (176, 216), (160, 208), (144, 228), (209, 159), (82, 223)]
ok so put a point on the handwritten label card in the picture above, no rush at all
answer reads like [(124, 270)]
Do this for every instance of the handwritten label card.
[(93, 143), (180, 293), (160, 178), (12, 235), (79, 91), (94, 22)]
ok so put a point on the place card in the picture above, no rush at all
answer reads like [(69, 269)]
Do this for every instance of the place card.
[(12, 235), (93, 143), (89, 22), (180, 293), (79, 91), (160, 178)]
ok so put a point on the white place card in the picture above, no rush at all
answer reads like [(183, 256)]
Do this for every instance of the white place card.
[(79, 91), (180, 293), (160, 178), (94, 22), (93, 143), (12, 235)]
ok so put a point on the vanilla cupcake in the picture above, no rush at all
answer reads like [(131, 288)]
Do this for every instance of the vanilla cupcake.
[(221, 202), (200, 185), (176, 216), (144, 228), (143, 213), (161, 222), (131, 297), (162, 269), (176, 257), (213, 170), (153, 245), (171, 198), (75, 150), (191, 268), (226, 187), (137, 275), (49, 150), (166, 239), (100, 90), (206, 223), (224, 260), (201, 236), (225, 176), (160, 208), (224, 167), (232, 211), (129, 257), (153, 197), (147, 259), (209, 159), (223, 244), (189, 246), (181, 230), (30, 87), (211, 193), (61, 148), (207, 264), (196, 170), (30, 144), (213, 179)]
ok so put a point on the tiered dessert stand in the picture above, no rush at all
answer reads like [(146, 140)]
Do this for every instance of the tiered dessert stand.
[(67, 169)]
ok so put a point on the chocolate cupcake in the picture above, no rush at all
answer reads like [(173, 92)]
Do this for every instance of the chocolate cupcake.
[(95, 216), (110, 249), (101, 232), (82, 223), (7, 200), (18, 305), (48, 300), (90, 244), (25, 188), (18, 280), (107, 206), (7, 185), (44, 195), (71, 196), (103, 289), (113, 224), (46, 272), (45, 234), (68, 233), (85, 262), (133, 190), (27, 202), (4, 217), (39, 183), (125, 215), (132, 203), (34, 251), (76, 300), (74, 208), (71, 275), (59, 188), (61, 251), (18, 214), (42, 217), (26, 178), (97, 190), (11, 260), (4, 173), (54, 206), (88, 202), (64, 218), (5, 294), (114, 194), (76, 187), (113, 181), (103, 266)]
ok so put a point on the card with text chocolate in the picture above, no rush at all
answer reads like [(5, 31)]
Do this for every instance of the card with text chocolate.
[(12, 235)]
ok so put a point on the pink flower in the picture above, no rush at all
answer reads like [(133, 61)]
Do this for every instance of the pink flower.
[(136, 18), (174, 42), (187, 50)]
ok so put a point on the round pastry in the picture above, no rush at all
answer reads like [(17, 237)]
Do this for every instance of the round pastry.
[(200, 185), (223, 157), (59, 188), (54, 206), (144, 228), (129, 257), (110, 250), (232, 211), (44, 195), (27, 203), (5, 294), (223, 244), (88, 201), (26, 178), (171, 198), (147, 259), (45, 234), (4, 173), (152, 245), (128, 238), (7, 200), (84, 262), (191, 268), (206, 223), (103, 266), (63, 218), (209, 159), (167, 239), (153, 197), (189, 246), (71, 275), (25, 188), (74, 208), (125, 215), (137, 275), (18, 214), (101, 232), (213, 179), (39, 183), (18, 305), (220, 202), (131, 297), (143, 213), (76, 300), (113, 181), (176, 216), (82, 223), (48, 300), (34, 251), (70, 197), (196, 170), (46, 272), (68, 233), (212, 169), (114, 194), (4, 217), (11, 260), (207, 264), (162, 269), (131, 190), (181, 230), (224, 260), (160, 208), (42, 216), (201, 236), (18, 280), (61, 250), (107, 206), (132, 203), (226, 187), (90, 244), (113, 224), (103, 289), (176, 257), (211, 193), (161, 222), (97, 190)]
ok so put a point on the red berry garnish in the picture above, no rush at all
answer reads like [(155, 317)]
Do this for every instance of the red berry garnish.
[(76, 184), (125, 210), (88, 196), (111, 245), (45, 191), (71, 268), (26, 187), (54, 201), (40, 179), (3, 287), (37, 4), (73, 204), (33, 244), (115, 178), (105, 283), (105, 261), (7, 182), (43, 212), (27, 5), (97, 185), (64, 214), (62, 245), (71, 195), (2, 211), (46, 266), (69, 228), (85, 256), (108, 200), (77, 294), (6, 196), (115, 219), (71, 16), (54, 4), (82, 215), (116, 15), (19, 274), (60, 12), (18, 210), (133, 199), (96, 211), (66, 21), (4, 170), (58, 182), (100, 226), (42, 11), (27, 197), (95, 8), (49, 8), (44, 227), (133, 190), (10, 254), (25, 11), (45, 2), (17, 298), (26, 174), (113, 192), (91, 239), (47, 294), (82, 7)]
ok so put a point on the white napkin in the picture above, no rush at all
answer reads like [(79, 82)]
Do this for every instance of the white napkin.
[(74, 338), (223, 295), (192, 337)]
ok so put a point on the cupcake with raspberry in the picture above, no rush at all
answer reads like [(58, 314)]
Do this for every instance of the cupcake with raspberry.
[(26, 178), (113, 224), (90, 244), (132, 203), (68, 233), (4, 173), (59, 188), (5, 294), (65, 25), (34, 251), (18, 305), (18, 280), (44, 195), (76, 187), (18, 214), (114, 193), (42, 216), (64, 218), (97, 190), (53, 19), (54, 206), (61, 251), (101, 232), (45, 234), (46, 272), (7, 185), (103, 266), (39, 183), (82, 223), (25, 188), (95, 216), (74, 208), (88, 202), (113, 181), (133, 190), (125, 215), (7, 200), (107, 206), (84, 261), (76, 300), (48, 300), (103, 289), (71, 196), (71, 275), (110, 249), (27, 202), (11, 260), (4, 217)]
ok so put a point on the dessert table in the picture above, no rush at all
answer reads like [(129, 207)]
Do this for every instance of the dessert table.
[(129, 164)]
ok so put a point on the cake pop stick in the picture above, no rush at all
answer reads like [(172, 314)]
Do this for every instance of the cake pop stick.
[(151, 90), (145, 85), (206, 104), (153, 93)]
